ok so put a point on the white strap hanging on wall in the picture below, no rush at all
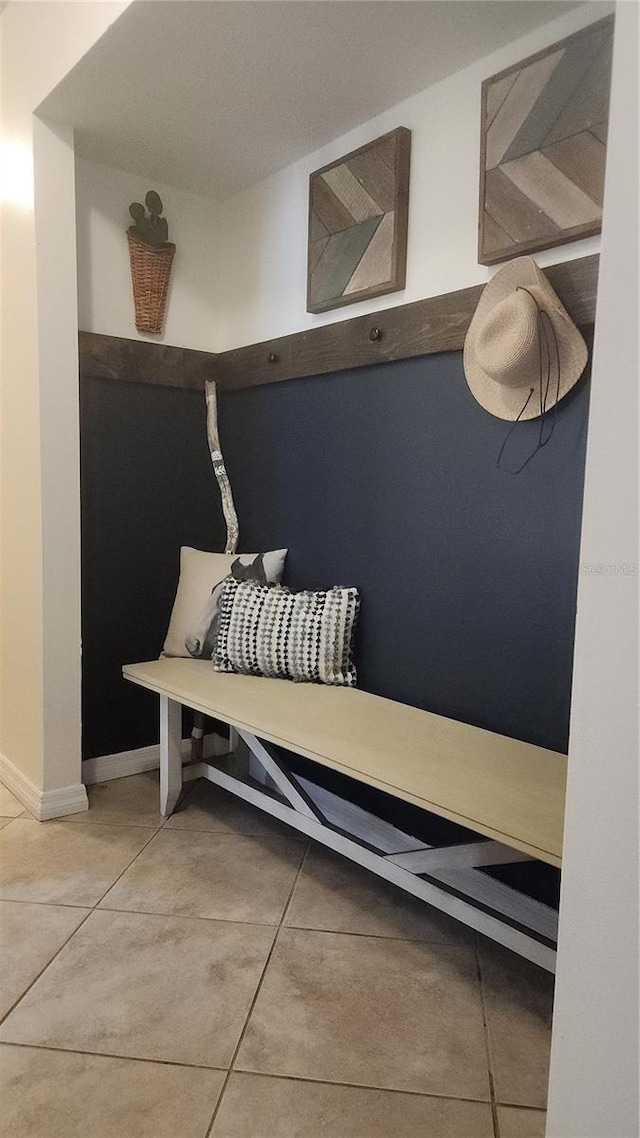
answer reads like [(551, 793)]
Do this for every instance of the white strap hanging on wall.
[(219, 468)]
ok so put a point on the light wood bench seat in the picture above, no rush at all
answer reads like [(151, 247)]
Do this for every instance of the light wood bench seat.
[(502, 789)]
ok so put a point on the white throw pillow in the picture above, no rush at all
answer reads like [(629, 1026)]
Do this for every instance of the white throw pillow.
[(195, 608)]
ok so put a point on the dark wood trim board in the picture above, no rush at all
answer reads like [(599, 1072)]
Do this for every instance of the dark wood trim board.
[(437, 324), (140, 361)]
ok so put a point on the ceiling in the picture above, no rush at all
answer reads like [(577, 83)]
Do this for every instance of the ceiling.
[(214, 96)]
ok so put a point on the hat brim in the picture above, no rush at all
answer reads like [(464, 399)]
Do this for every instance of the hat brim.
[(507, 402)]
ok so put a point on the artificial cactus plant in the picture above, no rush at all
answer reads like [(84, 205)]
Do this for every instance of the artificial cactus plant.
[(153, 230)]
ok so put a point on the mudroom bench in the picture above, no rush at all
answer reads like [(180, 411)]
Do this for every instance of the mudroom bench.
[(508, 795)]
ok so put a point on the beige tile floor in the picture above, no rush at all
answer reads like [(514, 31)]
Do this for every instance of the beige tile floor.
[(217, 976)]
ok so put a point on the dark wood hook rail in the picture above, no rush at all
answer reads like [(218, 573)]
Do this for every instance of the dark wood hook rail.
[(437, 324)]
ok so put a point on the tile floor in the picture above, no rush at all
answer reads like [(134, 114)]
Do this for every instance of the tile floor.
[(218, 976)]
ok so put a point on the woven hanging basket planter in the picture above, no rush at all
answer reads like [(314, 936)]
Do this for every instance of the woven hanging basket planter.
[(150, 273)]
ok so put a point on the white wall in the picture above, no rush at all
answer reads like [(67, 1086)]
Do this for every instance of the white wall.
[(105, 302), (240, 266), (264, 232), (594, 1063), (39, 571)]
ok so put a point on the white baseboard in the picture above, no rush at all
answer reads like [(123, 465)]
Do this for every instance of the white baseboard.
[(43, 804), (47, 804), (124, 763)]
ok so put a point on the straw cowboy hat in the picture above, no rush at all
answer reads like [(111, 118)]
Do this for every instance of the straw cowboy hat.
[(522, 352)]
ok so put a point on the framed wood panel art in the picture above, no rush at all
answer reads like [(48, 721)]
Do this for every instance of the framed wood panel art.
[(543, 147), (358, 211)]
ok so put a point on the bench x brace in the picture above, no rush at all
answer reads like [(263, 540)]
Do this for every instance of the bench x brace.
[(447, 877)]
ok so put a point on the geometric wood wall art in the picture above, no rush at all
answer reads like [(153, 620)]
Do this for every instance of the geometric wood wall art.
[(543, 147), (358, 211)]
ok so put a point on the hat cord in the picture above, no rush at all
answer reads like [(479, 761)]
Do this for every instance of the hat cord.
[(546, 332)]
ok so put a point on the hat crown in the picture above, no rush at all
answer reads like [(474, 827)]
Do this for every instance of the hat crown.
[(520, 337), (507, 346)]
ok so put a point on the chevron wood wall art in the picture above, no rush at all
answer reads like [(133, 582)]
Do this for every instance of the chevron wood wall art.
[(358, 209), (543, 147)]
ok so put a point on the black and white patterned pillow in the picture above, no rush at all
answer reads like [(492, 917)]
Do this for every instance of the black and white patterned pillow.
[(270, 631)]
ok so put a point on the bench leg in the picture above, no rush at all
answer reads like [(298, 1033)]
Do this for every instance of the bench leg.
[(197, 736), (170, 754)]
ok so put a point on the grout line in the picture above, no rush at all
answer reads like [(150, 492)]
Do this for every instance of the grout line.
[(107, 1055), (92, 909), (487, 1043), (523, 1106), (279, 927), (383, 936), (253, 1074), (127, 867), (155, 826), (22, 995), (187, 791), (293, 835), (293, 887), (81, 819), (361, 1086), (189, 917), (46, 904), (296, 837), (99, 907), (256, 993)]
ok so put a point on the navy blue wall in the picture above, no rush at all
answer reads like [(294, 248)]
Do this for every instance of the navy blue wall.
[(384, 477), (146, 489)]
